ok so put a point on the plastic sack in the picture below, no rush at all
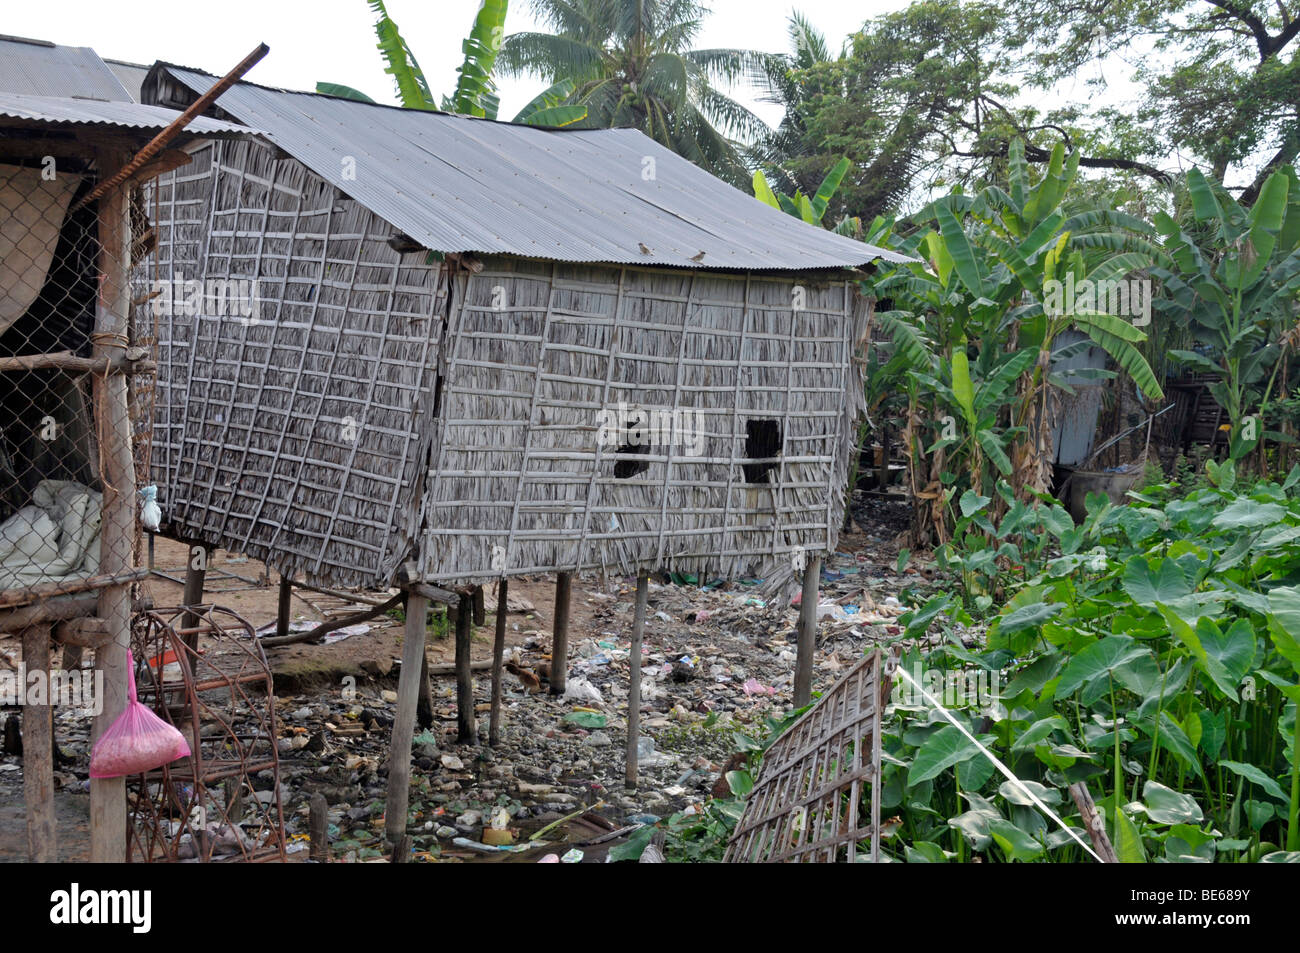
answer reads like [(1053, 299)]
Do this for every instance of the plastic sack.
[(137, 741)]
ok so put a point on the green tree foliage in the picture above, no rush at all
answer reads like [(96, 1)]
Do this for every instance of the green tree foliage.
[(1221, 77), (631, 63)]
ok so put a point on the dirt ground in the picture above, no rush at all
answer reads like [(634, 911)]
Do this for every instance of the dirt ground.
[(541, 748)]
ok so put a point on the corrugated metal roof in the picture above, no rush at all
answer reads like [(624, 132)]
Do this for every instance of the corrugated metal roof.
[(458, 184), (55, 109), (38, 68), (131, 75)]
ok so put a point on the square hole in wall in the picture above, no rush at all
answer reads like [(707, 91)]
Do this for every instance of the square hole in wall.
[(625, 469), (762, 441)]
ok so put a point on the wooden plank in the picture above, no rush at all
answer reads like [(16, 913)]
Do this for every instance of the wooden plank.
[(399, 757), (634, 679), (117, 471), (38, 755)]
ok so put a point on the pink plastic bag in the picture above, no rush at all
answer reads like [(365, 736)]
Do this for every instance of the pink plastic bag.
[(137, 741)]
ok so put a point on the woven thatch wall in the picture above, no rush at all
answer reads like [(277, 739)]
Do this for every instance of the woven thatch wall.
[(300, 434), (303, 436), (536, 351)]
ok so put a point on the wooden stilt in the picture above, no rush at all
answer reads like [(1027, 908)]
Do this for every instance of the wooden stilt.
[(283, 609), (634, 681), (196, 572), (424, 701), (399, 756), (318, 825), (467, 730), (560, 633), (498, 654), (38, 754), (803, 665), (118, 510)]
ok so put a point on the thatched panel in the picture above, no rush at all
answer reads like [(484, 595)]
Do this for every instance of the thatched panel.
[(297, 429), (538, 355)]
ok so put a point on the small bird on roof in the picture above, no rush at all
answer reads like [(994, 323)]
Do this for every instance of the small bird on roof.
[(645, 249), (699, 257)]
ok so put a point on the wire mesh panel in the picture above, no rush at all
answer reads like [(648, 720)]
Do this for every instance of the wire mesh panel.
[(49, 471), (806, 806)]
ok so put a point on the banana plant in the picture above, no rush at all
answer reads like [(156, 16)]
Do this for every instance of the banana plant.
[(994, 265), (475, 93), (1234, 275), (811, 210)]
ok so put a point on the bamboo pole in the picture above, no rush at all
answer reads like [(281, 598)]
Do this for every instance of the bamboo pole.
[(38, 754), (467, 732), (560, 633), (807, 646), (399, 756), (634, 680), (498, 655), (118, 511)]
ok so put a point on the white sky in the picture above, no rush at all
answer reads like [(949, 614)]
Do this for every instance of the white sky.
[(333, 40)]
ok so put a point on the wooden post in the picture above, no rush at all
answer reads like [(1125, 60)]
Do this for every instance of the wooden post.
[(196, 572), (318, 821), (634, 679), (560, 633), (803, 665), (467, 731), (282, 610), (1093, 821), (399, 755), (38, 754), (498, 655), (118, 511), (424, 700)]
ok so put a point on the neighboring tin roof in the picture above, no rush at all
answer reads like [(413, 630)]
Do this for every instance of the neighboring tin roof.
[(62, 110), (131, 75), (459, 184), (40, 68)]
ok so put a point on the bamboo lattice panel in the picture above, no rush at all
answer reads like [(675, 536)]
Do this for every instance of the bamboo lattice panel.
[(539, 354), (806, 806), (297, 436)]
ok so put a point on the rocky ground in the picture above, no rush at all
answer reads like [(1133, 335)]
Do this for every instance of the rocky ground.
[(718, 660)]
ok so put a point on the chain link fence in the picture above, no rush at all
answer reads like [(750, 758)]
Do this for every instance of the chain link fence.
[(51, 262)]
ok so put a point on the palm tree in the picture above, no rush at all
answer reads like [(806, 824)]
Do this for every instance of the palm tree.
[(775, 75), (631, 64)]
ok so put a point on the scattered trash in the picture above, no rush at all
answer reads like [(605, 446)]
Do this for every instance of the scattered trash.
[(586, 719), (573, 856)]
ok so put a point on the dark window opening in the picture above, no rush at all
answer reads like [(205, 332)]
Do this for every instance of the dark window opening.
[(762, 442), (625, 469)]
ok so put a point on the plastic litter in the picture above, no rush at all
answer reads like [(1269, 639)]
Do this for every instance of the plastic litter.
[(137, 741)]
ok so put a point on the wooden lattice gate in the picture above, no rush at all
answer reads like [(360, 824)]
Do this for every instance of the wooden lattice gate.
[(806, 805)]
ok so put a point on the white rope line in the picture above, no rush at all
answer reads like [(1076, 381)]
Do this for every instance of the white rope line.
[(997, 763)]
